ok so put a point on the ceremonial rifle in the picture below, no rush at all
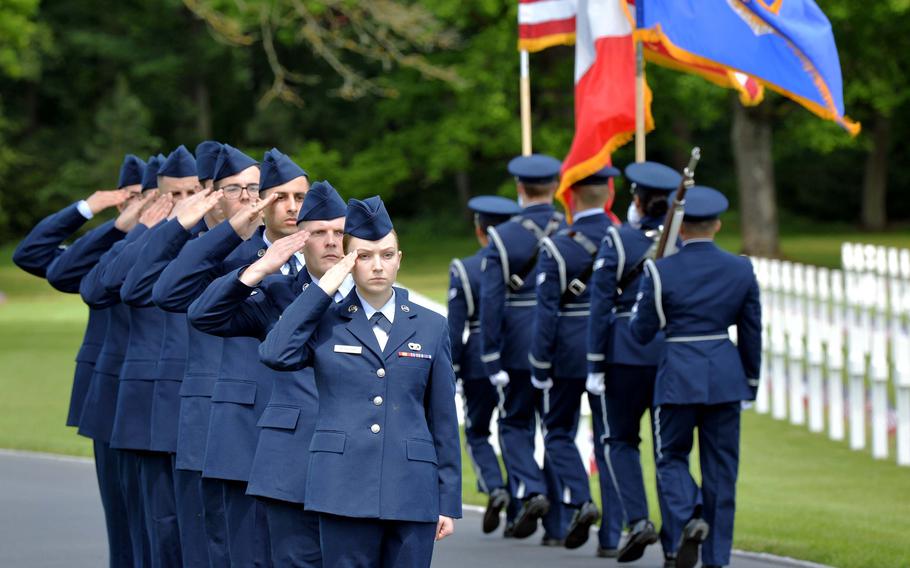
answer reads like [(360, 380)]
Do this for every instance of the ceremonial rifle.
[(673, 220)]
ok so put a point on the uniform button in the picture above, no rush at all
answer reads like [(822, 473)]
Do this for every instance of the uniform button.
[(375, 428), (380, 373), (377, 400)]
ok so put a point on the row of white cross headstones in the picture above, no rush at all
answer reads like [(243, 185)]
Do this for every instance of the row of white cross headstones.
[(837, 347)]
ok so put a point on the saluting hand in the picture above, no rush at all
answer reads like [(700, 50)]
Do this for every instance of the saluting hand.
[(129, 217), (245, 221), (101, 200), (332, 279), (274, 258), (444, 527), (192, 209), (157, 211)]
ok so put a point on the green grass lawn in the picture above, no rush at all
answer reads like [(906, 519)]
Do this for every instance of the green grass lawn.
[(799, 495)]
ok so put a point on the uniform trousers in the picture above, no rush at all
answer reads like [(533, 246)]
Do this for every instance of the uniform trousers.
[(293, 535), (156, 481), (133, 498), (562, 406), (718, 444), (349, 542), (521, 406), (247, 527), (481, 399), (190, 517), (611, 516), (107, 468), (215, 522)]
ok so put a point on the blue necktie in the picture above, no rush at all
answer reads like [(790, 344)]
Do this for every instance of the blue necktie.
[(292, 267), (379, 319)]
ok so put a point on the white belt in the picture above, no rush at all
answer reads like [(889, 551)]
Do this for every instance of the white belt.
[(693, 338)]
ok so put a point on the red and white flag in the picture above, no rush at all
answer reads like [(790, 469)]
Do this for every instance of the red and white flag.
[(604, 90), (545, 23)]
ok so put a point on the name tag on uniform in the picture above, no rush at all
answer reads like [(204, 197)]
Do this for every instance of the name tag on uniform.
[(352, 349), (414, 355)]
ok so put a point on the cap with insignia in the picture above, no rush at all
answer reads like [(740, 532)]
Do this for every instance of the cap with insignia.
[(277, 169), (150, 175), (231, 161), (703, 203), (206, 156), (652, 176), (493, 209), (179, 164), (322, 203), (536, 168), (600, 177), (367, 219), (130, 171)]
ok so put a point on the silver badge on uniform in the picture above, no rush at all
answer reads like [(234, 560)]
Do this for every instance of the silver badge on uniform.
[(414, 346), (260, 253), (352, 308), (405, 309), (254, 292)]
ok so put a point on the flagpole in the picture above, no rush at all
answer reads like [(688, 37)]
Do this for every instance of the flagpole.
[(525, 96), (639, 85)]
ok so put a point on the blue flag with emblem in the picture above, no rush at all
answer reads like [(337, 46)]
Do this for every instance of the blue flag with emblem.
[(788, 45)]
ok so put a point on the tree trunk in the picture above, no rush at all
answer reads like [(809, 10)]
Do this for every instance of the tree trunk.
[(463, 188), (875, 178), (751, 140), (204, 111)]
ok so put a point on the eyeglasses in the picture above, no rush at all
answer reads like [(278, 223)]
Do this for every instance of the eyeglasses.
[(233, 191)]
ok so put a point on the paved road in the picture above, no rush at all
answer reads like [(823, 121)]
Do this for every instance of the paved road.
[(50, 516)]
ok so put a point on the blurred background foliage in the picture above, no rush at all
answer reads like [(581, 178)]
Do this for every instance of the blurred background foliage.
[(415, 100)]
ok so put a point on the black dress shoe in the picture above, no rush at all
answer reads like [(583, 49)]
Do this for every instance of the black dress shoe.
[(534, 508), (607, 552), (694, 533), (499, 500), (642, 534), (580, 527), (669, 561), (509, 531), (548, 540)]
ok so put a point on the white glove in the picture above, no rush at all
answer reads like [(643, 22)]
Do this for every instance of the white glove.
[(500, 379), (595, 383), (745, 404), (542, 385)]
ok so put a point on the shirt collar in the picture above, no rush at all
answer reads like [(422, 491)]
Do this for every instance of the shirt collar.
[(700, 240), (388, 310), (588, 213)]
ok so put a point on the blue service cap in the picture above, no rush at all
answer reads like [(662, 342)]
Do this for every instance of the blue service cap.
[(367, 219), (231, 161), (600, 177), (206, 156), (536, 168), (277, 169), (150, 175), (179, 164), (653, 176), (130, 171), (322, 203), (493, 208), (703, 203)]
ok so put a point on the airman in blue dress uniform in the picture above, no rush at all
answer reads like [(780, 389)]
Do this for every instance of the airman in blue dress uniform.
[(385, 465), (507, 305), (694, 296), (243, 386), (248, 302), (192, 215), (480, 396), (621, 370), (557, 352), (40, 253)]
